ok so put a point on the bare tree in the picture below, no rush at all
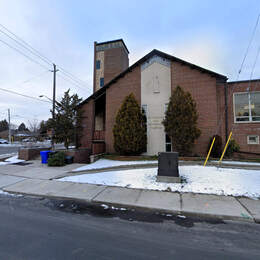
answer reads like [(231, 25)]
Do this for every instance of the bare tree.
[(34, 125)]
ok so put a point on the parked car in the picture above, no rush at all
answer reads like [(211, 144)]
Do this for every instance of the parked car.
[(3, 141), (29, 139)]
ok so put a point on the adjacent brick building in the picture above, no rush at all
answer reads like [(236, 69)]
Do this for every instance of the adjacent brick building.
[(222, 106)]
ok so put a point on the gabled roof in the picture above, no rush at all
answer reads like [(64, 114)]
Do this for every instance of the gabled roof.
[(145, 58)]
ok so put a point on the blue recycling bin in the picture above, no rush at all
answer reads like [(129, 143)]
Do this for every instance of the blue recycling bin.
[(45, 156)]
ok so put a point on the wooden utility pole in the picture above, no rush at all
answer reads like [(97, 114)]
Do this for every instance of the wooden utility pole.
[(9, 126), (53, 102)]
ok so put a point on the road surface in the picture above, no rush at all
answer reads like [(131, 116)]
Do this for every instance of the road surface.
[(33, 228), (8, 149)]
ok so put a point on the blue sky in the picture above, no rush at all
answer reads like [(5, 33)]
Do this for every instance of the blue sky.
[(210, 34)]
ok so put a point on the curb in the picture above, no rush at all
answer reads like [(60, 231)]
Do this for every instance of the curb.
[(93, 201)]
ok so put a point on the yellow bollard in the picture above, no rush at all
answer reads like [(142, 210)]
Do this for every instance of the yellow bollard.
[(225, 147), (209, 151)]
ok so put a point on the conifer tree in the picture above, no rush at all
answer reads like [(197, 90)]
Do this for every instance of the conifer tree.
[(66, 122), (180, 121), (130, 128)]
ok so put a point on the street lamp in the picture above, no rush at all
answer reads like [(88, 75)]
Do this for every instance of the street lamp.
[(41, 96), (56, 102)]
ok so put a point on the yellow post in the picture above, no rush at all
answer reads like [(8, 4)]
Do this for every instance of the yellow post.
[(225, 147), (209, 151)]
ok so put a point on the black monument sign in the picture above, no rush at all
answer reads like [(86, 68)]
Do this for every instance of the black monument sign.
[(168, 170)]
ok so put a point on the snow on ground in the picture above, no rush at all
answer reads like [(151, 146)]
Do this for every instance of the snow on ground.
[(6, 155), (208, 180), (11, 145), (10, 194), (11, 160), (104, 163)]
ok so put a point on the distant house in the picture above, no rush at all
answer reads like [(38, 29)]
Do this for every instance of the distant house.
[(16, 135), (221, 105)]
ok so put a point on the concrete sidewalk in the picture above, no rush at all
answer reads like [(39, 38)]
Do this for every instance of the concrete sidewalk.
[(188, 204), (39, 180)]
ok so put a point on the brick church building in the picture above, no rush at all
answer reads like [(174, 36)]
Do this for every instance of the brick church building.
[(152, 79)]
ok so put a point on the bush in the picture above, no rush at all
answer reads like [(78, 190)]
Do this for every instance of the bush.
[(180, 121), (130, 128), (217, 147), (233, 146), (57, 159)]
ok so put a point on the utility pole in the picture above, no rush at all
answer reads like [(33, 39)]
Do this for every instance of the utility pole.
[(53, 102), (9, 126)]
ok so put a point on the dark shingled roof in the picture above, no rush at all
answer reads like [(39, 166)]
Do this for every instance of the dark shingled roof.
[(142, 60)]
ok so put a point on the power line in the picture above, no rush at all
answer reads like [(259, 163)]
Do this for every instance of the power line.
[(32, 50), (23, 95), (10, 46), (70, 81), (31, 78), (73, 76), (255, 61), (248, 47), (240, 69), (37, 62)]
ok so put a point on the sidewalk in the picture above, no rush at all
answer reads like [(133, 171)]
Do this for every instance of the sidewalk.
[(37, 180)]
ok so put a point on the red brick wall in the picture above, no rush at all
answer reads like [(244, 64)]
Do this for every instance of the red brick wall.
[(115, 62), (87, 124), (203, 89), (242, 130), (130, 83), (98, 147)]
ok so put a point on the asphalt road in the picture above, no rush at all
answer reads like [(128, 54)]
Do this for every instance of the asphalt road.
[(8, 149), (33, 228)]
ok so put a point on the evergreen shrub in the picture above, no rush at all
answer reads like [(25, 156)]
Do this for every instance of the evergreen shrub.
[(180, 121), (57, 159), (217, 147), (233, 146), (130, 128)]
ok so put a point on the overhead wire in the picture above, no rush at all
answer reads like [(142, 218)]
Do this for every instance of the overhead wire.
[(32, 50), (23, 95), (17, 50), (239, 72)]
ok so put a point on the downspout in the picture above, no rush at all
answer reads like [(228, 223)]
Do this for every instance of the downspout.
[(226, 110), (93, 124)]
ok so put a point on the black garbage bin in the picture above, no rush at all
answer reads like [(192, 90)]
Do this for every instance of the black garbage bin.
[(68, 159)]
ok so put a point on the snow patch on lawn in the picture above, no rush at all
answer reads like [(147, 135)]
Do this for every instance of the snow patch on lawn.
[(199, 179), (11, 160), (105, 163)]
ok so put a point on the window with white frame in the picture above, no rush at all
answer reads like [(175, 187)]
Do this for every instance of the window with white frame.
[(168, 143), (166, 107), (144, 108), (247, 107), (253, 139)]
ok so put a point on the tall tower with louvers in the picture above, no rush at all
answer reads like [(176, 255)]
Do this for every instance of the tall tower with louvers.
[(110, 59)]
